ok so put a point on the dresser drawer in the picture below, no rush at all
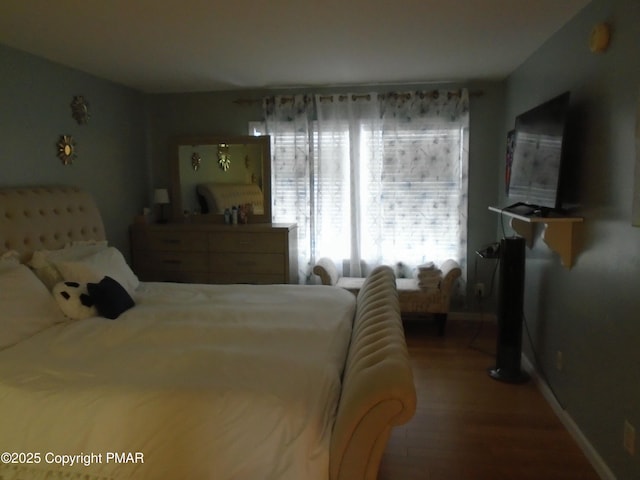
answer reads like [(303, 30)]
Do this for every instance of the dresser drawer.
[(247, 242), (212, 253), (262, 263), (172, 261), (178, 276), (172, 241)]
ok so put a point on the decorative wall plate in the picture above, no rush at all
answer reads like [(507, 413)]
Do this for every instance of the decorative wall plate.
[(66, 149), (80, 109), (224, 157), (196, 161), (599, 37)]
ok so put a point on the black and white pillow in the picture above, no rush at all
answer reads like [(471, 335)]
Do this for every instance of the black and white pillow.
[(79, 301), (74, 300)]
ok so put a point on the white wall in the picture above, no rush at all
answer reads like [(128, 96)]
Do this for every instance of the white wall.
[(591, 312), (35, 98)]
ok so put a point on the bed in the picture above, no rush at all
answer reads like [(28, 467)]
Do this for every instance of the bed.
[(192, 381)]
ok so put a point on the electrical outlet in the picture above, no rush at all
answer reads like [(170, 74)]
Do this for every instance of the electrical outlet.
[(479, 290), (559, 361), (629, 439)]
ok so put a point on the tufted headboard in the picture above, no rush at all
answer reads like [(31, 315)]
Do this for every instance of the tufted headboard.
[(37, 218)]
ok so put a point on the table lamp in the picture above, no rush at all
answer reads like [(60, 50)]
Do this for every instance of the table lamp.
[(161, 197)]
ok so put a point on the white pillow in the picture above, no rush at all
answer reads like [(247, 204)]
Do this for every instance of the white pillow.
[(43, 262), (93, 268), (9, 259), (84, 243), (27, 307), (72, 251)]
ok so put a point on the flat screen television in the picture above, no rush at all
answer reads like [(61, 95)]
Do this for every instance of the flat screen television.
[(538, 149)]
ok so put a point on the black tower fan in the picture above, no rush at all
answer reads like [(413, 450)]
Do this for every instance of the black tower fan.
[(510, 310)]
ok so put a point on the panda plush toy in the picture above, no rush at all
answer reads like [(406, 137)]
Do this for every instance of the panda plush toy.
[(78, 301), (74, 300)]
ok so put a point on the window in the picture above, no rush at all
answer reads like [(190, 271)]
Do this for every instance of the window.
[(371, 190)]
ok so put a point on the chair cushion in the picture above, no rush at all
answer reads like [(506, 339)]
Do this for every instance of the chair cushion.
[(407, 284), (353, 284)]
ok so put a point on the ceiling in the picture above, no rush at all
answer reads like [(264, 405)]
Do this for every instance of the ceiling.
[(205, 45)]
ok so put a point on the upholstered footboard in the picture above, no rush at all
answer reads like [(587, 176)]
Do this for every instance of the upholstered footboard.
[(378, 392)]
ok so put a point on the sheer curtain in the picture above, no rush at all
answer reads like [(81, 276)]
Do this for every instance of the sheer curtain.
[(372, 178), (288, 120)]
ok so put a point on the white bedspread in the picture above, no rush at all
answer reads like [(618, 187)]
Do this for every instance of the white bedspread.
[(205, 381)]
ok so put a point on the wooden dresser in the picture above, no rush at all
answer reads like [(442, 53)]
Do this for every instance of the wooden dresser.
[(259, 253)]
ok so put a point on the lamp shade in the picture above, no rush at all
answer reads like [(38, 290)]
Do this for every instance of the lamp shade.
[(161, 196)]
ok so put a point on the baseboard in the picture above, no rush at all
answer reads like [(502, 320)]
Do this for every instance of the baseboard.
[(590, 452)]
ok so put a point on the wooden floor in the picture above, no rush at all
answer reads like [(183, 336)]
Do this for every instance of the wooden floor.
[(470, 427)]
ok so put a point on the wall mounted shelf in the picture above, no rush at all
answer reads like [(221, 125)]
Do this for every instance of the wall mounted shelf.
[(559, 232)]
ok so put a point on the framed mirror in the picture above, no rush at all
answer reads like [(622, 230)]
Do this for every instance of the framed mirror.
[(212, 173)]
